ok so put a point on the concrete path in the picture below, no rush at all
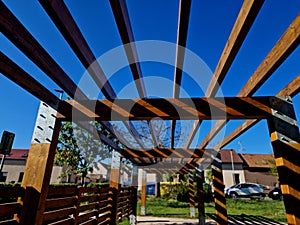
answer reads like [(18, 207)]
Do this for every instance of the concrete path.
[(149, 220)]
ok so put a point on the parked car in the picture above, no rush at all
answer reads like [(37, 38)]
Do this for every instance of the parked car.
[(276, 194), (246, 190)]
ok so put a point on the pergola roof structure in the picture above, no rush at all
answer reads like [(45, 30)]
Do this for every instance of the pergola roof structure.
[(244, 106)]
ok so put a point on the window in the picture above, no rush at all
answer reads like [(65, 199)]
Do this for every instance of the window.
[(21, 177), (3, 176)]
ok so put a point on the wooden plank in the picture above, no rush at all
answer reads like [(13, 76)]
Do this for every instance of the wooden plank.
[(64, 21), (55, 191), (9, 222), (288, 42), (121, 16), (68, 221), (11, 192), (291, 89), (14, 30), (59, 203), (243, 23), (85, 216), (208, 108), (57, 214), (8, 209), (86, 207)]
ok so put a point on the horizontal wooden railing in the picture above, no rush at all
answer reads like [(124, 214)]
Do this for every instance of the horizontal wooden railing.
[(72, 205)]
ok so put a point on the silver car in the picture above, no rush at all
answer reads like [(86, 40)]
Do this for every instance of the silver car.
[(245, 190)]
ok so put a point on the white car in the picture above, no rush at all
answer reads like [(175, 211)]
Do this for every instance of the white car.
[(246, 190)]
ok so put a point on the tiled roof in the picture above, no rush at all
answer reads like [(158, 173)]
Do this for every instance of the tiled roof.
[(258, 160), (17, 154), (226, 156)]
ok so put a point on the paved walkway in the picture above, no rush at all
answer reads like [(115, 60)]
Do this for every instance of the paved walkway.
[(234, 220)]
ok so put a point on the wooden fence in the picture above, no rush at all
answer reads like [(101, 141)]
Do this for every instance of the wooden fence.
[(72, 205)]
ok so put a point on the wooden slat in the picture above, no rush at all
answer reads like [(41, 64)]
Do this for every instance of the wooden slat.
[(288, 42), (91, 206), (58, 214), (68, 221), (291, 89), (9, 209), (9, 222), (61, 191), (243, 23), (59, 202), (182, 31), (11, 192), (84, 217), (14, 30), (208, 108), (121, 15)]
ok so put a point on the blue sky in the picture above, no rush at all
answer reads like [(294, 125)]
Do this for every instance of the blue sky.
[(209, 27)]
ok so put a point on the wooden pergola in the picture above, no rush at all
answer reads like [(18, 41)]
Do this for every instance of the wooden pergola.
[(277, 110)]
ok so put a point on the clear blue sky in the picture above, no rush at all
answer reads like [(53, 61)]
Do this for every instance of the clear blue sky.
[(210, 25)]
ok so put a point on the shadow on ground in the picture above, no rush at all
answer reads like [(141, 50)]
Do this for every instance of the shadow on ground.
[(244, 219)]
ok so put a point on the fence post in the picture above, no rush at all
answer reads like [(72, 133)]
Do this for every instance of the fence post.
[(191, 194), (200, 194), (143, 197), (219, 195), (285, 138), (39, 166), (114, 205), (134, 187)]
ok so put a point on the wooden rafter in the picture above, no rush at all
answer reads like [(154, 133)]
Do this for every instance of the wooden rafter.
[(207, 108), (244, 21), (291, 90), (14, 30), (288, 42), (182, 32), (62, 18)]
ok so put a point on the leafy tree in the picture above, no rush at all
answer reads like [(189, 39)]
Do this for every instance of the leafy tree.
[(77, 149)]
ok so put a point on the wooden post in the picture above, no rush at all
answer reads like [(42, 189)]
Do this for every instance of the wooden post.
[(219, 195), (191, 194), (143, 197), (285, 139), (200, 194), (134, 184), (114, 184), (39, 166)]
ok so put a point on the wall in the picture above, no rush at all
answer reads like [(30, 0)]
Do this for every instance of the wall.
[(228, 173)]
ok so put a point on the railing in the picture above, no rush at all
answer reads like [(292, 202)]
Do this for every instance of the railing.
[(72, 205)]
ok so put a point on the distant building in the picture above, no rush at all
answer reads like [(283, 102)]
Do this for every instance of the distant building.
[(258, 169), (232, 165)]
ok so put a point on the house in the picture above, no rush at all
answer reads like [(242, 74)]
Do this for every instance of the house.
[(14, 167), (260, 168), (232, 166)]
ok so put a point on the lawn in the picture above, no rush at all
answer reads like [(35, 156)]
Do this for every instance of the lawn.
[(171, 208)]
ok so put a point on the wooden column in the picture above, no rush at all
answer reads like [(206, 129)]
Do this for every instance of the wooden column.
[(39, 166), (200, 194), (285, 139), (114, 184), (134, 184), (191, 194), (143, 197), (219, 195)]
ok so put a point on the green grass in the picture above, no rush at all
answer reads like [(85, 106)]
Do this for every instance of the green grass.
[(171, 208)]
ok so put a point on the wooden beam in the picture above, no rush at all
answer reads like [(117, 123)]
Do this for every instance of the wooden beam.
[(291, 90), (285, 139), (288, 42), (121, 15), (182, 31), (39, 166), (207, 108), (62, 18), (14, 30), (243, 23), (143, 195), (219, 195)]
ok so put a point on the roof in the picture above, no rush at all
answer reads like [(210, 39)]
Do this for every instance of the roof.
[(226, 156), (17, 154), (258, 160)]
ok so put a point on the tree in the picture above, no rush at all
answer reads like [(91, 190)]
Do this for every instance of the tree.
[(77, 149)]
